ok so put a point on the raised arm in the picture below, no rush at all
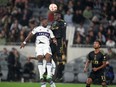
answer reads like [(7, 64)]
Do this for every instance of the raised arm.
[(26, 39)]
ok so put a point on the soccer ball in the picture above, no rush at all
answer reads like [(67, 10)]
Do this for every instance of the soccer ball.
[(53, 7)]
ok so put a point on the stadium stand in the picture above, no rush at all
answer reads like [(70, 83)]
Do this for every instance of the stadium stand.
[(92, 19)]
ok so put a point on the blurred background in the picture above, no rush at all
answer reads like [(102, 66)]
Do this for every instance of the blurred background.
[(87, 20)]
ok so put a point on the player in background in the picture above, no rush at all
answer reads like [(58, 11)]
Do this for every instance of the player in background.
[(59, 29), (42, 48), (98, 61)]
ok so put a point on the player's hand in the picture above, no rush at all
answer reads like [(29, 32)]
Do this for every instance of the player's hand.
[(55, 42), (85, 69), (95, 69), (22, 45)]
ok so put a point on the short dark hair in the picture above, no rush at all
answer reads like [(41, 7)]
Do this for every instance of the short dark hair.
[(44, 18), (98, 42)]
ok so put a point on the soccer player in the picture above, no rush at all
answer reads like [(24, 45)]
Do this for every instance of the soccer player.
[(52, 84), (59, 29), (43, 37), (98, 61)]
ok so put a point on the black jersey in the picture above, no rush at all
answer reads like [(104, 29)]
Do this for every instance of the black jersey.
[(59, 29), (96, 59)]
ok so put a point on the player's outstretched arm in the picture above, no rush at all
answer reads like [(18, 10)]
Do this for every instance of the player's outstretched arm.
[(25, 41)]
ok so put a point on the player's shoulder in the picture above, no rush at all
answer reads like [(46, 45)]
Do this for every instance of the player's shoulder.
[(92, 52), (63, 22), (37, 27)]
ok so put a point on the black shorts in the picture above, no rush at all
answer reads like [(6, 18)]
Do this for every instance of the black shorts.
[(98, 77)]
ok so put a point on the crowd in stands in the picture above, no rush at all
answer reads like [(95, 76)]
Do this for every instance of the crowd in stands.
[(93, 19)]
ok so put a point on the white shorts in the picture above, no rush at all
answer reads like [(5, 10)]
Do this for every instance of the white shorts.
[(42, 49)]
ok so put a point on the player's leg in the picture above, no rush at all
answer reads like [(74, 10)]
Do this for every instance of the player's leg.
[(103, 81), (40, 65), (49, 70), (44, 66), (41, 70), (48, 55), (52, 84), (90, 79), (88, 82), (39, 55), (53, 67), (104, 84), (48, 65)]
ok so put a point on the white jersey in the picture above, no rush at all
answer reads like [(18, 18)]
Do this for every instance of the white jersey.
[(43, 35)]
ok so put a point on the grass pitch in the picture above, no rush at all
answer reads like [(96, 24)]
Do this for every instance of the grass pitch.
[(28, 84)]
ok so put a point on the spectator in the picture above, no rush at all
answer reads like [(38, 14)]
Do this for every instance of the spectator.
[(110, 43), (68, 17), (112, 21), (87, 40), (78, 17), (91, 36), (23, 33), (25, 17), (3, 60), (70, 5), (78, 38), (2, 37), (81, 30), (109, 73), (87, 13), (111, 54), (28, 70), (78, 6), (11, 63), (16, 25), (102, 29), (17, 70), (101, 38), (109, 33)]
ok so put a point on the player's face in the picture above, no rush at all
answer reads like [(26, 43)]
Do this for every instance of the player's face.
[(96, 45), (45, 23), (56, 16)]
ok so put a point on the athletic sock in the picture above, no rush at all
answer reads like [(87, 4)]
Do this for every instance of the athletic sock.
[(53, 70), (53, 67), (43, 84), (40, 67), (44, 66), (52, 84), (49, 69)]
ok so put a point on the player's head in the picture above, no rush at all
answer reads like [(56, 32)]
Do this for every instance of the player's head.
[(44, 22), (97, 44), (57, 15)]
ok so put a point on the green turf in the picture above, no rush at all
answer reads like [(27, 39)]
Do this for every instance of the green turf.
[(18, 84)]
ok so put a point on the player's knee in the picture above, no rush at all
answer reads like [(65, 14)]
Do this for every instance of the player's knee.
[(89, 81), (104, 84), (40, 59), (48, 58)]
